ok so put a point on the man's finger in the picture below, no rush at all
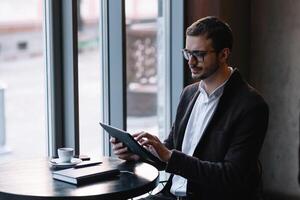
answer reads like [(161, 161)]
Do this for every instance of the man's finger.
[(137, 134), (147, 142), (143, 134), (118, 146), (125, 156), (121, 151), (114, 140), (141, 140)]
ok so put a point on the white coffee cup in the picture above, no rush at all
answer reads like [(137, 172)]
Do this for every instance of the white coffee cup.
[(65, 154)]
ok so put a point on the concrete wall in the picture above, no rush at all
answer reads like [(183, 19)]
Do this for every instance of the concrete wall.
[(237, 14), (267, 52), (275, 71), (194, 10)]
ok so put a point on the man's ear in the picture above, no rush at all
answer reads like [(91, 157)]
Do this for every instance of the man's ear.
[(224, 55)]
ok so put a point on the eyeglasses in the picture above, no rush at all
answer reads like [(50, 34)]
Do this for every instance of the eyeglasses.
[(187, 54)]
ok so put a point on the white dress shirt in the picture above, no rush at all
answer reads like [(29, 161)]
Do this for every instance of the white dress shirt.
[(201, 114)]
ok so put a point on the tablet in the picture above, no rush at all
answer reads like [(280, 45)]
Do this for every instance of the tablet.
[(134, 146)]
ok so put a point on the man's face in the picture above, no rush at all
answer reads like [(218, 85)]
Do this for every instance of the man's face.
[(202, 59)]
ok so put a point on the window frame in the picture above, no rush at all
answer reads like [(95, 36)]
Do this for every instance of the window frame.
[(177, 61), (61, 75), (60, 28), (114, 63)]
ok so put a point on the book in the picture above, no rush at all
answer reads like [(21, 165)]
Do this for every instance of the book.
[(83, 175), (134, 146)]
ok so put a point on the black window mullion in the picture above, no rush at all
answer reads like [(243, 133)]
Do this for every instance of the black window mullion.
[(62, 75)]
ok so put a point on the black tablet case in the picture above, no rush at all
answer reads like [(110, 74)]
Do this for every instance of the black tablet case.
[(134, 146)]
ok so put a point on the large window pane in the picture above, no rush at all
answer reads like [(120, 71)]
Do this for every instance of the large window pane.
[(145, 66), (89, 77), (22, 76)]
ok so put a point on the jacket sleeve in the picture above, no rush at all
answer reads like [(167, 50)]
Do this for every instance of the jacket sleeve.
[(242, 152), (169, 141)]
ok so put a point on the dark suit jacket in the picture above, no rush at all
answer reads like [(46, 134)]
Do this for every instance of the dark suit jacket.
[(224, 163)]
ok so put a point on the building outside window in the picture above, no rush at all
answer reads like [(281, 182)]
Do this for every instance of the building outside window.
[(22, 80), (146, 65), (23, 128), (89, 77)]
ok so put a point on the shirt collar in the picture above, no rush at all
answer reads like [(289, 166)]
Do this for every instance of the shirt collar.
[(218, 91)]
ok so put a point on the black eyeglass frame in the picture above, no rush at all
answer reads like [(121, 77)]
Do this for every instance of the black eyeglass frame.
[(199, 55)]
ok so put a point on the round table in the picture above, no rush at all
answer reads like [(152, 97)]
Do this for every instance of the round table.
[(32, 180)]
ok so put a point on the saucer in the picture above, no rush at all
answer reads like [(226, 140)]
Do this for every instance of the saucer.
[(55, 162)]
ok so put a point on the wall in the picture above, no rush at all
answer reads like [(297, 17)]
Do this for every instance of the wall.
[(275, 70), (266, 48), (237, 14)]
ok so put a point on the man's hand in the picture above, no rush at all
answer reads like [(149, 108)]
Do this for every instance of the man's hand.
[(151, 141), (121, 151)]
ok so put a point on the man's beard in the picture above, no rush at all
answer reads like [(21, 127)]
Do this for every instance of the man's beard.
[(206, 74)]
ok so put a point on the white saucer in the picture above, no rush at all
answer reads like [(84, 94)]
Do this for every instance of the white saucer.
[(55, 162)]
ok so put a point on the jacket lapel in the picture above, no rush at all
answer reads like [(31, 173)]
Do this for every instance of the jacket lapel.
[(184, 121), (230, 86)]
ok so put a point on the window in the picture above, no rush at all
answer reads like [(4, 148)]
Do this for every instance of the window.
[(22, 80), (89, 77), (153, 66), (146, 66), (86, 72)]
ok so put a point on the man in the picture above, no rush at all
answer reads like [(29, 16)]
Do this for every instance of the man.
[(213, 147)]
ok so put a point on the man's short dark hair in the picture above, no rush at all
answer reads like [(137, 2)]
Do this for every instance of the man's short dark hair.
[(213, 28)]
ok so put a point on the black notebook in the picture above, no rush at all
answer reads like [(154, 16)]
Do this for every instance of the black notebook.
[(134, 146), (85, 175)]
